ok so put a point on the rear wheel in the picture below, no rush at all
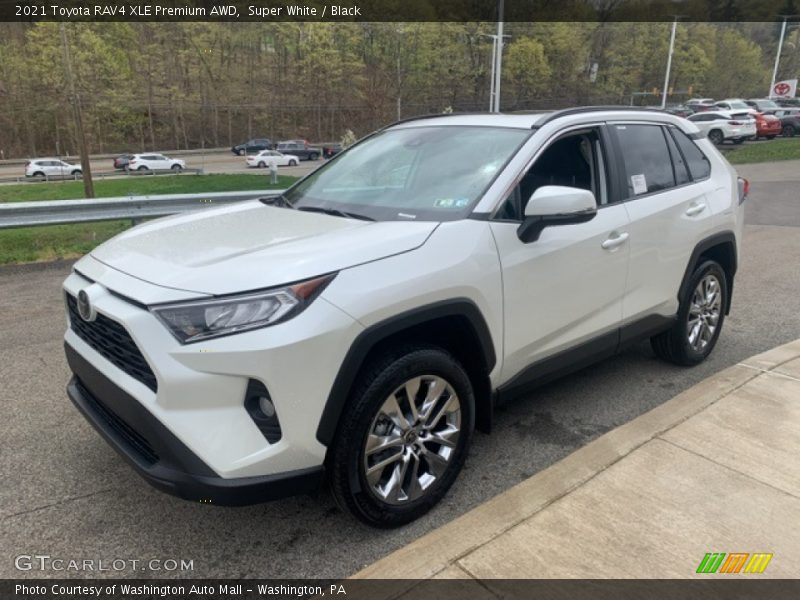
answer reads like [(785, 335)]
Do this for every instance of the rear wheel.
[(789, 131), (313, 156), (39, 175), (716, 137), (700, 317), (293, 163), (142, 168), (770, 137), (405, 437), (262, 165), (738, 141)]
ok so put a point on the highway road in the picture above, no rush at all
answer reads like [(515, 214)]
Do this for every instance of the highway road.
[(67, 495), (212, 162)]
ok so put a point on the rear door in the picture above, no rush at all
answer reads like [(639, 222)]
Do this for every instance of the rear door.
[(663, 184)]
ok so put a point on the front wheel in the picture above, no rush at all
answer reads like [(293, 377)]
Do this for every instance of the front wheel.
[(177, 168), (788, 131), (292, 163), (700, 317), (313, 156), (404, 438)]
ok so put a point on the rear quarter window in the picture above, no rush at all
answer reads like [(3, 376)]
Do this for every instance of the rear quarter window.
[(699, 166)]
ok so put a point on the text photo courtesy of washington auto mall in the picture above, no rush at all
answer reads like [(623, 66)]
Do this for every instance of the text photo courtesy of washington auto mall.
[(392, 299)]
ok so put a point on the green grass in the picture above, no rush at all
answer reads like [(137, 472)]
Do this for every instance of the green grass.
[(139, 185), (763, 151), (54, 242)]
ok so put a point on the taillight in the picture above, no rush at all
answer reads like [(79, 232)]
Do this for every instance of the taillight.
[(744, 189)]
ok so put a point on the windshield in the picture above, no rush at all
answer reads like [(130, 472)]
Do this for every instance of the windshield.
[(738, 104), (767, 104), (432, 173)]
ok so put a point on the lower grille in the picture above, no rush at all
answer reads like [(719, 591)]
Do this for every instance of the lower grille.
[(113, 341), (130, 436)]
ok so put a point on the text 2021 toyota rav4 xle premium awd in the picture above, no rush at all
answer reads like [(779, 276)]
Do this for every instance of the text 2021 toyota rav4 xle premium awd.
[(360, 326)]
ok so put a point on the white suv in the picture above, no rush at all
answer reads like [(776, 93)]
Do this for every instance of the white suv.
[(360, 326)]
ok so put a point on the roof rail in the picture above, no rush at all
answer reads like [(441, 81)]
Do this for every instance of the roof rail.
[(586, 109), (432, 116)]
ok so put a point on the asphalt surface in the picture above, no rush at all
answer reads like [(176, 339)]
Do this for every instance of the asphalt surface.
[(66, 494), (213, 162)]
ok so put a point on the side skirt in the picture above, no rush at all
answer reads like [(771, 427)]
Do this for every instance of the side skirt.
[(573, 359)]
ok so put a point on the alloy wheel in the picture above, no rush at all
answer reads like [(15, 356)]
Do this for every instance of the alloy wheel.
[(412, 439), (704, 313)]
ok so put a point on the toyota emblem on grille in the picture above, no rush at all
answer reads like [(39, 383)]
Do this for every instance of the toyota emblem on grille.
[(85, 307)]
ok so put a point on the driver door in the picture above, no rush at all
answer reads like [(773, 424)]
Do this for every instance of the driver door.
[(563, 291)]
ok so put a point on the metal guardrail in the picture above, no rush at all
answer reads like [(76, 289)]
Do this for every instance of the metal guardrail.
[(100, 175), (60, 212)]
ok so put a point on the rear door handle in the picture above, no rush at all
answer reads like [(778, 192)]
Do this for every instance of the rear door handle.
[(695, 208), (613, 242)]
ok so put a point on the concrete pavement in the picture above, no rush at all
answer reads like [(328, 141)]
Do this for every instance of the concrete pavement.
[(715, 469)]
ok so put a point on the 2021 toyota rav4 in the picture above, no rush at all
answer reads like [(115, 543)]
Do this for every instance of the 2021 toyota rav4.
[(361, 325)]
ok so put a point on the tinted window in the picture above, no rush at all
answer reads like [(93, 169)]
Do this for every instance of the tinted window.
[(699, 167), (681, 171), (648, 167)]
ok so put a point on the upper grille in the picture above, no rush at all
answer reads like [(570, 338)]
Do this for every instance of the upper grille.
[(111, 340)]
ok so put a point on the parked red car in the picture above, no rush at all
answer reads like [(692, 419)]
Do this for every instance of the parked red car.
[(767, 126)]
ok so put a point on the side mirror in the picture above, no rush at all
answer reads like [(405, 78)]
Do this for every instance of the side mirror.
[(555, 205)]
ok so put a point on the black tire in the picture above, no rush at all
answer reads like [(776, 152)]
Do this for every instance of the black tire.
[(771, 137), (142, 168), (262, 164), (39, 174), (313, 156), (77, 173), (738, 141), (716, 137), (292, 163), (240, 152), (376, 384), (788, 131), (674, 345), (176, 168)]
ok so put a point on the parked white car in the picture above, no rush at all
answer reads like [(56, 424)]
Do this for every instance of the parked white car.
[(358, 327), (262, 159), (155, 162), (737, 105), (721, 126), (51, 167)]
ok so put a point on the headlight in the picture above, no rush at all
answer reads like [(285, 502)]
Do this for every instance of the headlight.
[(204, 319)]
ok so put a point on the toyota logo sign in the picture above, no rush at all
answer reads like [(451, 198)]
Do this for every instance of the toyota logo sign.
[(85, 309)]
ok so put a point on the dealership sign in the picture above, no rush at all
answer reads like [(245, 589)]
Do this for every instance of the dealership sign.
[(784, 89)]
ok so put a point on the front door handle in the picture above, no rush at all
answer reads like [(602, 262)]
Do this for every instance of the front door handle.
[(695, 208), (613, 242)]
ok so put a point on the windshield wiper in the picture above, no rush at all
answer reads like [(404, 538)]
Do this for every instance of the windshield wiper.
[(276, 201), (335, 212)]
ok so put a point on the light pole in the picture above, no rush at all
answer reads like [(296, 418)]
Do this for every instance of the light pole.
[(665, 91), (498, 71)]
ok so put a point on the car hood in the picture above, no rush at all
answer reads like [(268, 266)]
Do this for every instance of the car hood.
[(250, 246)]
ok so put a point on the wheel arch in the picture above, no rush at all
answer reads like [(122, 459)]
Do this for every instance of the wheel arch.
[(455, 325), (720, 247)]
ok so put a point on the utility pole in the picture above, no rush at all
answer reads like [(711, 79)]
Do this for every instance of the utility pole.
[(86, 169), (665, 91), (494, 60), (778, 57)]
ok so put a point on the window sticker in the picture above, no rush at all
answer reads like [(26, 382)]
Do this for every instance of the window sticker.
[(639, 184)]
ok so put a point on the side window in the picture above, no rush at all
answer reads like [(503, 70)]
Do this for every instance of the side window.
[(646, 159), (574, 160), (681, 170), (696, 161)]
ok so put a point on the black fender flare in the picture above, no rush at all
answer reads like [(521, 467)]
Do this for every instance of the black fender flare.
[(364, 343), (722, 238)]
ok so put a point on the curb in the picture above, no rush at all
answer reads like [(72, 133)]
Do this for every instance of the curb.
[(436, 552)]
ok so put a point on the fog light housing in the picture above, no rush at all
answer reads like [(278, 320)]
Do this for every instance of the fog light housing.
[(261, 409)]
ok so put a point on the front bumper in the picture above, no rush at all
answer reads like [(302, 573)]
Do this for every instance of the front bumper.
[(159, 456)]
